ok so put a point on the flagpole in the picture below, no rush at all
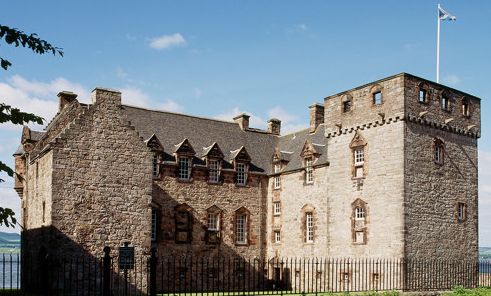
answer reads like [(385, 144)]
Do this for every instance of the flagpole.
[(438, 48)]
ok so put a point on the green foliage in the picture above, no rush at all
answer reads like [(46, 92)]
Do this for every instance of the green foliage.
[(460, 291), (15, 37)]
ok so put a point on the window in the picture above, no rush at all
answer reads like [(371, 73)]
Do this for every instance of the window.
[(359, 213), (276, 208), (359, 161), (422, 95), (465, 107), (44, 211), (360, 237), (309, 171), (184, 168), (439, 152), (309, 227), (377, 98), (277, 237), (154, 225), (213, 228), (241, 229), (347, 106), (183, 226), (277, 180), (214, 169), (241, 174), (445, 103), (461, 212), (155, 164)]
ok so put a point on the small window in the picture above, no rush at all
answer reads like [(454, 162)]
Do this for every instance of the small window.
[(277, 179), (213, 228), (214, 171), (377, 98), (461, 212), (184, 168), (309, 171), (241, 174), (309, 227), (359, 237), (422, 95), (154, 224), (445, 103), (277, 237), (359, 213), (439, 152), (155, 164), (213, 222), (465, 108), (241, 229), (347, 105), (44, 211), (276, 208), (359, 162)]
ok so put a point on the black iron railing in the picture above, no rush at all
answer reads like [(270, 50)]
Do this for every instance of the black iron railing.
[(152, 275)]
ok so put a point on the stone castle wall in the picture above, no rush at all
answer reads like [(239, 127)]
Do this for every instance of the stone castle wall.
[(297, 197), (433, 190), (101, 181), (200, 196)]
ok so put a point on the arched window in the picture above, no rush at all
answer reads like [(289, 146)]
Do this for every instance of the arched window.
[(376, 92), (359, 222)]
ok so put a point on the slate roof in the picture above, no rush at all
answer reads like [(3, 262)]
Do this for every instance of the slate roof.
[(172, 128), (291, 146), (35, 136)]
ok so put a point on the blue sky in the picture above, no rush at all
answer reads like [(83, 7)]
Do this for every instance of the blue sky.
[(219, 58)]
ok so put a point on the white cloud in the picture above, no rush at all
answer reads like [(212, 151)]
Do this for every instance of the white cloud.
[(254, 121), (171, 106), (167, 41), (452, 79), (134, 96), (37, 97)]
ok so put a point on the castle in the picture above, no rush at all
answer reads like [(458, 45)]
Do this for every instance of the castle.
[(387, 169)]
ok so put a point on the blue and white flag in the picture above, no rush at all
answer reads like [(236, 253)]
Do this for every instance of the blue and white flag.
[(445, 15)]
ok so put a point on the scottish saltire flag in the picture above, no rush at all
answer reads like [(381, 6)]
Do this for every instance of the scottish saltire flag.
[(445, 15)]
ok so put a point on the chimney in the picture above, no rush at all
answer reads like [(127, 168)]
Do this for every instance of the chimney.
[(242, 120), (65, 98), (316, 116), (274, 126), (106, 95)]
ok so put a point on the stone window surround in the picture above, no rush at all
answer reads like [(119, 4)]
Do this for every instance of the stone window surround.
[(277, 236), (211, 169), (309, 170), (276, 208), (182, 209), (347, 104), (242, 212), (276, 178), (181, 170), (438, 148), (423, 87), (357, 163), (374, 91), (241, 176), (213, 236), (461, 212), (359, 224), (156, 158), (308, 209), (445, 101), (466, 107)]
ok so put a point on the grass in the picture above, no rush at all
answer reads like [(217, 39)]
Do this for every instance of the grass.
[(459, 291)]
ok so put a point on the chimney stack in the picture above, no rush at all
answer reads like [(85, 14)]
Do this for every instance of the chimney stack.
[(274, 126), (316, 116), (242, 120), (65, 98), (106, 95)]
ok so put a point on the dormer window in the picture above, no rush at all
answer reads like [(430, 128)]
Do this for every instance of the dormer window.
[(277, 179), (214, 170), (309, 170), (241, 174), (184, 168)]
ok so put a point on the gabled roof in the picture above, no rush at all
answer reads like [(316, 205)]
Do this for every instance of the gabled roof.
[(240, 155), (184, 148), (154, 143), (213, 151)]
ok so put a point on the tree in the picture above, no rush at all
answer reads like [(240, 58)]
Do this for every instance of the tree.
[(15, 37)]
